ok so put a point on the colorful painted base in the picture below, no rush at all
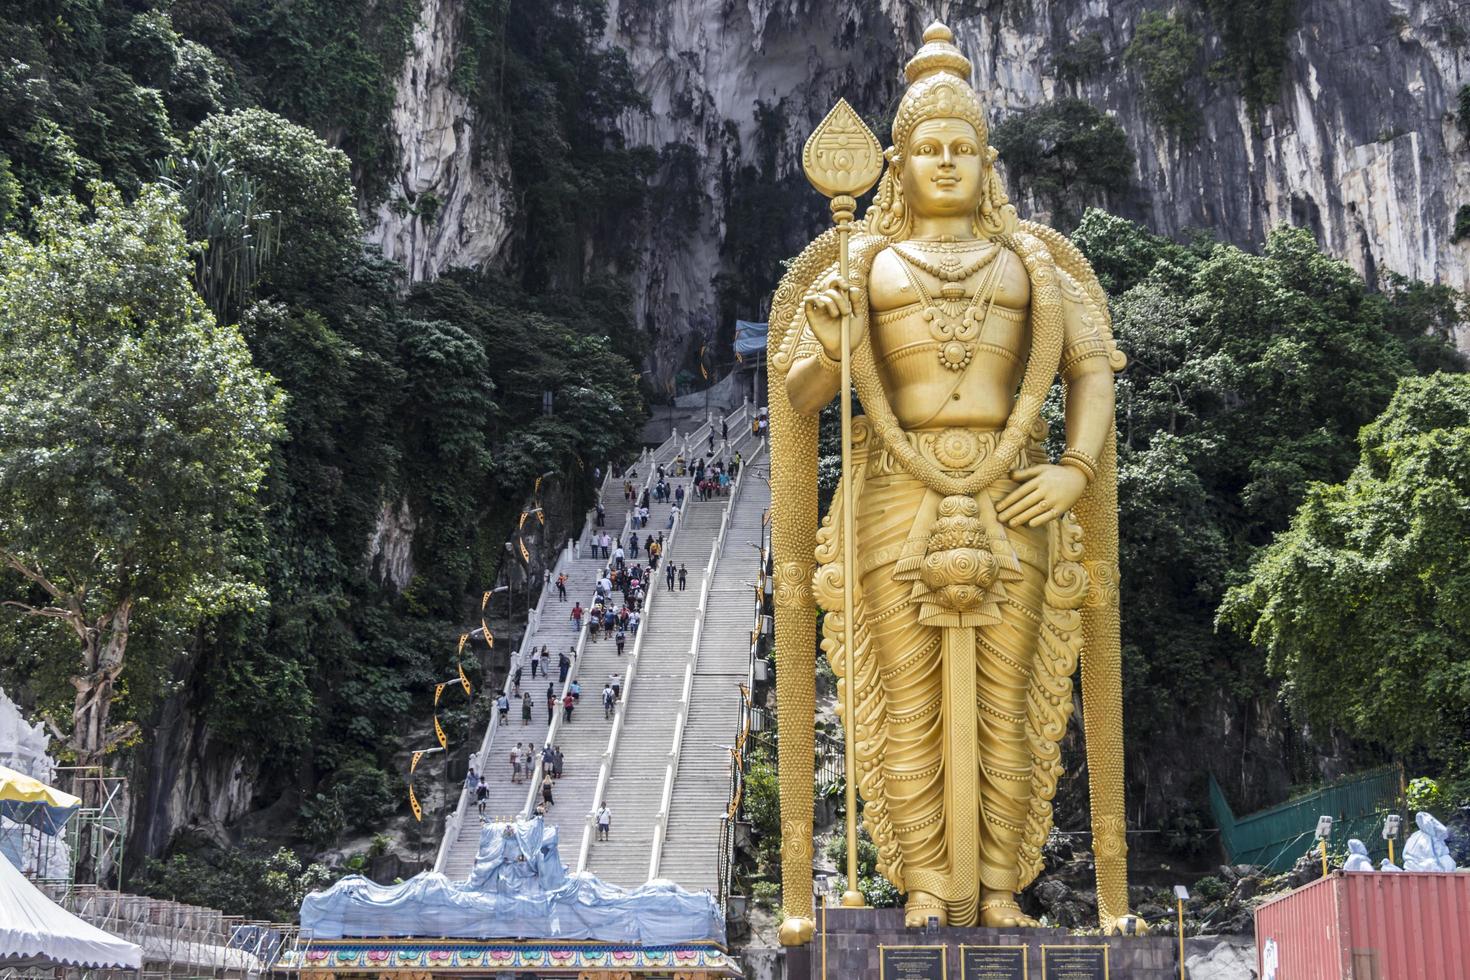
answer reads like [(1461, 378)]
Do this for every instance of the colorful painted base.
[(425, 958)]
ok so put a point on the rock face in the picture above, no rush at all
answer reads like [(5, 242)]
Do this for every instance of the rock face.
[(1361, 143), (389, 555), (448, 205), (1221, 957)]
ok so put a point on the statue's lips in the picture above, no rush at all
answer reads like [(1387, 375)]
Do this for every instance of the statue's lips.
[(946, 183)]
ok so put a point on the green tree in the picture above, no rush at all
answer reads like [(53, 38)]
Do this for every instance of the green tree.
[(1254, 36), (1166, 55), (134, 431), (1363, 604), (1249, 379), (220, 210), (305, 183), (1067, 153), (248, 880)]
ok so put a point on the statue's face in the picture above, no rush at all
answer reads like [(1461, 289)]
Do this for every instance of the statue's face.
[(942, 168)]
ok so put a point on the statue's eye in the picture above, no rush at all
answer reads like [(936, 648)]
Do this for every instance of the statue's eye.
[(925, 149), (967, 148)]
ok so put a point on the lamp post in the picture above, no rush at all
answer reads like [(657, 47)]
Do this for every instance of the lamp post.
[(1324, 831), (1181, 895), (1391, 825)]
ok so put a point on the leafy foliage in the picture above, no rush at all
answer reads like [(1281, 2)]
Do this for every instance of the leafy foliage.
[(527, 68), (116, 493), (259, 883), (329, 65), (1250, 377), (1361, 603), (300, 180), (1067, 154), (1254, 34), (1166, 55), (1081, 58)]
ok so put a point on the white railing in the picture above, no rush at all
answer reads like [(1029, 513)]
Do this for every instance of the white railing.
[(455, 820), (568, 554), (661, 822), (604, 769), (534, 789), (573, 550)]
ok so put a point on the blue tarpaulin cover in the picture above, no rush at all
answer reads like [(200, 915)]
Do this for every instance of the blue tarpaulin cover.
[(519, 889), (750, 338)]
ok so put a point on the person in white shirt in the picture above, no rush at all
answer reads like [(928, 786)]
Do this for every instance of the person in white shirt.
[(604, 822)]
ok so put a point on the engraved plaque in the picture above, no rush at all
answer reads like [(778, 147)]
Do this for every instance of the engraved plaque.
[(1074, 963), (993, 963), (912, 963)]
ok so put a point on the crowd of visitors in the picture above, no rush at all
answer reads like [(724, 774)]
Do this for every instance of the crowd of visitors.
[(615, 610)]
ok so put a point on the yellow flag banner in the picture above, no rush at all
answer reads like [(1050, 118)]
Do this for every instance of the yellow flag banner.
[(438, 693), (413, 800), (439, 733), (489, 636), (464, 680)]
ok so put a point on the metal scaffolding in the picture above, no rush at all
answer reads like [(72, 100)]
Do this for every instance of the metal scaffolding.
[(179, 941)]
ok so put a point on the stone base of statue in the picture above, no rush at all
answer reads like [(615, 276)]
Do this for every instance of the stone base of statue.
[(874, 943)]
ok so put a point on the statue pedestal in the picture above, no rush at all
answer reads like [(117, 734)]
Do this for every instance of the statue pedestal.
[(853, 938)]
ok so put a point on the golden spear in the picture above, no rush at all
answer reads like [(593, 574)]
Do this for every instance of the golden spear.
[(843, 159)]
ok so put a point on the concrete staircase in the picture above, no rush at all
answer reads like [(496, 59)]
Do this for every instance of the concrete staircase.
[(702, 782), (584, 739), (643, 751)]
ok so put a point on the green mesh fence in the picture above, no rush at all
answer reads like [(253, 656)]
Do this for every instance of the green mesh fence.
[(1276, 837)]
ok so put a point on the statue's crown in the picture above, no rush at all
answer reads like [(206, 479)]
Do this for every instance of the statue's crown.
[(939, 87), (938, 54)]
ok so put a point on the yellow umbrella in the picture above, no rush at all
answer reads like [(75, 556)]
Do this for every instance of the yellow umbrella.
[(27, 800)]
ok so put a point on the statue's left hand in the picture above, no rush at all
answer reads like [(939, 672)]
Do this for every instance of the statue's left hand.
[(1046, 493)]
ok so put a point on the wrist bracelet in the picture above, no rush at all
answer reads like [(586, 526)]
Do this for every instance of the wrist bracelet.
[(1079, 460)]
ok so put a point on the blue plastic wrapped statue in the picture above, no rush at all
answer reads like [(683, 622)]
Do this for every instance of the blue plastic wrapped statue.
[(1426, 850), (519, 889), (1357, 859)]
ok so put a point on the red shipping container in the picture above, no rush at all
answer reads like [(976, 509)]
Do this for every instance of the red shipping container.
[(1368, 925)]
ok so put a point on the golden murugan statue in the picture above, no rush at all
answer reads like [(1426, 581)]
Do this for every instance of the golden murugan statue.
[(984, 571)]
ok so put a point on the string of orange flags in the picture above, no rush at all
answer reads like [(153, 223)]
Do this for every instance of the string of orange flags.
[(413, 765), (462, 678)]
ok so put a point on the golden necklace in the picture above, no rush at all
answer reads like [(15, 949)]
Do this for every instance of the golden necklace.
[(949, 267), (954, 324)]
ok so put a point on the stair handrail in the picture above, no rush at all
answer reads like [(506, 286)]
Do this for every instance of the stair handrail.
[(534, 789), (568, 554), (609, 755), (661, 821), (455, 821)]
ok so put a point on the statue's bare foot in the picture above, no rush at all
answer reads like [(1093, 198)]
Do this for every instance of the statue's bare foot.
[(999, 910), (921, 908)]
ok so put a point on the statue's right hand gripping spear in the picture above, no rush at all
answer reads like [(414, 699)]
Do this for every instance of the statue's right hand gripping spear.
[(843, 159)]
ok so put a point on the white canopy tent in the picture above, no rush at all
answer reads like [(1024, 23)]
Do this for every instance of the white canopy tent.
[(35, 931)]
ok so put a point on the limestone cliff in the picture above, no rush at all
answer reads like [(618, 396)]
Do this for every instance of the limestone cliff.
[(1361, 143)]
